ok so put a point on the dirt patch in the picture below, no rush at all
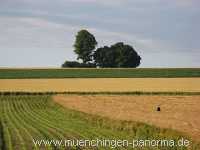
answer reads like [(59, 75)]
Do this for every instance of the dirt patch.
[(177, 112)]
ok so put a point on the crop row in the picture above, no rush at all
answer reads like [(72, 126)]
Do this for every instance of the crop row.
[(28, 117), (99, 73)]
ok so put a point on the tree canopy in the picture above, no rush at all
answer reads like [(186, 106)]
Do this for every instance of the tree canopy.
[(117, 55), (84, 45)]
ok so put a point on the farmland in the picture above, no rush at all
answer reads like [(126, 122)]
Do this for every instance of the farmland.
[(97, 103), (99, 73), (24, 118), (102, 85), (177, 112)]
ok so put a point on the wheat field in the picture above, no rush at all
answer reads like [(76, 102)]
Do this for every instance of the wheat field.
[(102, 85)]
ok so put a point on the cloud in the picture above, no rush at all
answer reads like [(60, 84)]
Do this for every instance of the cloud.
[(153, 27), (102, 2), (32, 36), (25, 32), (187, 3)]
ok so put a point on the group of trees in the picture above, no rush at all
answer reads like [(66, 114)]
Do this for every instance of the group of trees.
[(118, 55)]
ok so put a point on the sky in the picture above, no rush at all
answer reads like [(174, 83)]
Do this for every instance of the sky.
[(41, 33)]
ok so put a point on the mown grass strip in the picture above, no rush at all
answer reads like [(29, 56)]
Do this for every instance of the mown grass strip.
[(25, 119), (40, 121), (22, 131), (57, 114), (70, 130), (16, 138), (7, 141), (2, 142), (99, 73), (32, 120), (24, 128)]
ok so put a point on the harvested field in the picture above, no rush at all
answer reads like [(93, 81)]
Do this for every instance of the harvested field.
[(26, 120), (177, 112), (102, 85)]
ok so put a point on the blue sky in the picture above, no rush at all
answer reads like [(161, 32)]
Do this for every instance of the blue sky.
[(41, 33)]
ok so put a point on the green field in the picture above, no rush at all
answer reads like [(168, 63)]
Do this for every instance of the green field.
[(98, 73), (24, 118)]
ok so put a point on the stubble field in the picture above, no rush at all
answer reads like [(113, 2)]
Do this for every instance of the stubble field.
[(177, 112)]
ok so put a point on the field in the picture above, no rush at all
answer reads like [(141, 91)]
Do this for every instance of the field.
[(24, 118), (177, 112), (99, 73), (101, 104), (102, 85)]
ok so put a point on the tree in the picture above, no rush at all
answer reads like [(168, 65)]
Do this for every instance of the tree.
[(75, 64), (126, 56), (118, 55), (105, 57), (84, 45)]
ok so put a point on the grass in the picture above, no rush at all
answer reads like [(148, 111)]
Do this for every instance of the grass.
[(23, 118), (99, 73)]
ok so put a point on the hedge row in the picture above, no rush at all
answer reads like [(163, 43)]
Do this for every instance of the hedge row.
[(7, 93)]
